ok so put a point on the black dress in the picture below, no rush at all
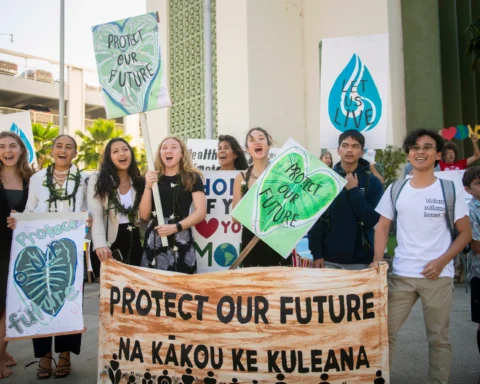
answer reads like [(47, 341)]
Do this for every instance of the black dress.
[(262, 255), (6, 236), (179, 255)]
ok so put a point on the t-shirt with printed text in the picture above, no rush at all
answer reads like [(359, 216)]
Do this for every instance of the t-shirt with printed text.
[(422, 232)]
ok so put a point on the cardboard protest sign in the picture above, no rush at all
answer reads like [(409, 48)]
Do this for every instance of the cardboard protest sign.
[(243, 325), (217, 238), (130, 67), (354, 89), (20, 124), (288, 198), (45, 280)]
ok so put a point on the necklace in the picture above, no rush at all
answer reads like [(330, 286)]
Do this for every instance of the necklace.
[(60, 194)]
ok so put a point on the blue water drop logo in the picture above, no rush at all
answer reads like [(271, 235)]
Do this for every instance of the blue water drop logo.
[(354, 101), (31, 153)]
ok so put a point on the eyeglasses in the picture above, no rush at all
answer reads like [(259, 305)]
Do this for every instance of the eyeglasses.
[(418, 148)]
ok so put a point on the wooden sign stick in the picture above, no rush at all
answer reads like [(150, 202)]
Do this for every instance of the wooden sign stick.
[(151, 167), (245, 252)]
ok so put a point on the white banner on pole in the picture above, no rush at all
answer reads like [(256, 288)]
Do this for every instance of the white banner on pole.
[(45, 280), (354, 89)]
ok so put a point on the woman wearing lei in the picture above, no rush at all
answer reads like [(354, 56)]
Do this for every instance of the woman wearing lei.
[(59, 188), (179, 184), (114, 195)]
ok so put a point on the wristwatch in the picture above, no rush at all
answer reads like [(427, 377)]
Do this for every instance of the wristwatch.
[(179, 227)]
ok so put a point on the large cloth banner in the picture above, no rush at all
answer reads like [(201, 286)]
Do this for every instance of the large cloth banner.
[(253, 325), (288, 198), (217, 238), (354, 89), (20, 124), (130, 67), (45, 280)]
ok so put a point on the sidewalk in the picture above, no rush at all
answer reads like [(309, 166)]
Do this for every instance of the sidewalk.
[(410, 366)]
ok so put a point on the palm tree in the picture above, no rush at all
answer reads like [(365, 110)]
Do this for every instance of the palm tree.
[(94, 141), (473, 47), (141, 157), (42, 140)]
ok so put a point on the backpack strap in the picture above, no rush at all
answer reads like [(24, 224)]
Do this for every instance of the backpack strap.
[(397, 187), (448, 191)]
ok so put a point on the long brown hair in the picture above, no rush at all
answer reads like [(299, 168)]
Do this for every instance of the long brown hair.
[(187, 170), (23, 168)]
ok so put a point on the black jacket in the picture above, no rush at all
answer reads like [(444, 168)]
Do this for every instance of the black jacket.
[(344, 233)]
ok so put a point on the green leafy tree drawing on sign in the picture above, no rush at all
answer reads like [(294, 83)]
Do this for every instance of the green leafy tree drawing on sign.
[(42, 140), (94, 140)]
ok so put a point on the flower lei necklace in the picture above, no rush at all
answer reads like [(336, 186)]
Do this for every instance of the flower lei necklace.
[(114, 203), (60, 194)]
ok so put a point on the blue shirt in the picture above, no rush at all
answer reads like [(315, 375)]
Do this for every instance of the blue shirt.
[(473, 264)]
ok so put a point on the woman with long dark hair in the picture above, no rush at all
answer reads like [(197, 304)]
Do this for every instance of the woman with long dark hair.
[(180, 185), (114, 195), (258, 143), (15, 174), (230, 155), (58, 188)]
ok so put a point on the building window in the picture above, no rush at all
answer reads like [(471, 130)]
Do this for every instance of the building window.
[(187, 115)]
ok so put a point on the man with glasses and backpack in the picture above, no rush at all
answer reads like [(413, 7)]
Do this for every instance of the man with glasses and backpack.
[(432, 228)]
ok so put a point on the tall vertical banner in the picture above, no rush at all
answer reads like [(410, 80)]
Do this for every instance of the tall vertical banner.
[(254, 325), (130, 67), (45, 280), (288, 198), (354, 89), (217, 238), (20, 124)]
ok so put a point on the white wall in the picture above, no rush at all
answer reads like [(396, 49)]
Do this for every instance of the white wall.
[(276, 68)]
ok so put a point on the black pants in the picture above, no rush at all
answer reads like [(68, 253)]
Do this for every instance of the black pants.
[(66, 343), (131, 256)]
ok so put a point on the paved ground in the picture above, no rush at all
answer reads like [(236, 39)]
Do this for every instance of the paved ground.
[(410, 366)]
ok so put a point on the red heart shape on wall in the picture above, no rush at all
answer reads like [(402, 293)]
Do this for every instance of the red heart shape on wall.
[(449, 133), (207, 228)]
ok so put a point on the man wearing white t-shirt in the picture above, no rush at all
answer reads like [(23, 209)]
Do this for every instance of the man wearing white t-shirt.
[(423, 262)]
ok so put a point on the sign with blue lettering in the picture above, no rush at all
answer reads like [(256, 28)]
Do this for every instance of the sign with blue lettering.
[(45, 280), (354, 89), (217, 238)]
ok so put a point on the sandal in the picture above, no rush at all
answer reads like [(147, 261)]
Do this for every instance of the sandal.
[(45, 373), (64, 369)]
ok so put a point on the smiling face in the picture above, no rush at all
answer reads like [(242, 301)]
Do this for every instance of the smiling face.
[(423, 154), (226, 155), (121, 155), (63, 152), (171, 153), (327, 159), (449, 156), (257, 145), (350, 150), (10, 152)]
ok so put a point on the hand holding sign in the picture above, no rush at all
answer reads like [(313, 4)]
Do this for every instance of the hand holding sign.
[(288, 198)]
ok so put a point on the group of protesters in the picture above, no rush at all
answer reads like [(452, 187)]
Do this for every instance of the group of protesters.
[(352, 234)]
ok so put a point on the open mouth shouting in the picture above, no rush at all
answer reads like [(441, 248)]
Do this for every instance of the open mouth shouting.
[(123, 161)]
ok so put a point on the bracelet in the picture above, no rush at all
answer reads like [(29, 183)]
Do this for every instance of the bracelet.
[(179, 227), (148, 187)]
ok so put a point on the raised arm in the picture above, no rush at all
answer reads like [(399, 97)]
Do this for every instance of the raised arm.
[(476, 151), (145, 206)]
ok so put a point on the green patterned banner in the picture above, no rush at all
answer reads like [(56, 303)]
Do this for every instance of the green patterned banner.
[(288, 198), (130, 67)]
